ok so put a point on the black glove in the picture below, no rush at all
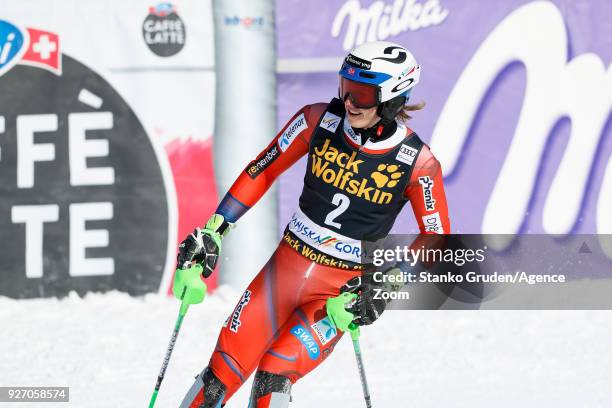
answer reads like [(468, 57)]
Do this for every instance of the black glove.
[(371, 301), (199, 247), (204, 245), (369, 305)]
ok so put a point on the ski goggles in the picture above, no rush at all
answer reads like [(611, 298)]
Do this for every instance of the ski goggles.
[(362, 95)]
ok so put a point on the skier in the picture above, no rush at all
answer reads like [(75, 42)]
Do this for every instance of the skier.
[(364, 164)]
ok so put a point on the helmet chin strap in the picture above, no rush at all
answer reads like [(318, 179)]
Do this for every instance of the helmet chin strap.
[(388, 110), (381, 130)]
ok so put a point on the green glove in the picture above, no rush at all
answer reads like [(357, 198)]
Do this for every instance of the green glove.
[(188, 285)]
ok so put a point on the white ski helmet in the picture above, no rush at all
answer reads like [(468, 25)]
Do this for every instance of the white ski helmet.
[(379, 73)]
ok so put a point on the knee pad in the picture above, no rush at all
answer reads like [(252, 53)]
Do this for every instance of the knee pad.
[(270, 391), (207, 392)]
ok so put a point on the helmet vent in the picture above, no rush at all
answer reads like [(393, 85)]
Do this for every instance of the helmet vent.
[(367, 75)]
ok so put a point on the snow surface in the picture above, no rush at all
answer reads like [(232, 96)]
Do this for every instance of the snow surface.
[(108, 348)]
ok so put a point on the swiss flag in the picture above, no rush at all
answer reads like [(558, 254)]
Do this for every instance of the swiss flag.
[(43, 51)]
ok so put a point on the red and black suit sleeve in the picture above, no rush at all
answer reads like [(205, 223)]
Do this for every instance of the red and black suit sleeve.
[(426, 194), (289, 145)]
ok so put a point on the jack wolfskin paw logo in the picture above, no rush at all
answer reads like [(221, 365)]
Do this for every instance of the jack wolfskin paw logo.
[(387, 175)]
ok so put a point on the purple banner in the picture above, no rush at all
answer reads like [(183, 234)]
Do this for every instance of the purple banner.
[(518, 100)]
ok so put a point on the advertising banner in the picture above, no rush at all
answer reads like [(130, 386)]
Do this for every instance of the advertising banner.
[(106, 117), (518, 98)]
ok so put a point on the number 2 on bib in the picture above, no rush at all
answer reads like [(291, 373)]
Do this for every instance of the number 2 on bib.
[(343, 203)]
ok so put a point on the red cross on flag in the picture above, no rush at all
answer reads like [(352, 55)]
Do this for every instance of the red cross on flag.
[(43, 51)]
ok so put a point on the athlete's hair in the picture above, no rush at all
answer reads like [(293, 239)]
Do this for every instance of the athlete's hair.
[(404, 114)]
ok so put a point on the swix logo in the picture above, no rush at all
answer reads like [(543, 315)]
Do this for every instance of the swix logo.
[(341, 170), (427, 185), (28, 47), (235, 321)]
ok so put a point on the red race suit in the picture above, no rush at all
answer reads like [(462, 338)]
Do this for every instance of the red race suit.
[(352, 192)]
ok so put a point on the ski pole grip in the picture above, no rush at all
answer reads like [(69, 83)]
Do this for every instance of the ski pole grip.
[(188, 285), (336, 310)]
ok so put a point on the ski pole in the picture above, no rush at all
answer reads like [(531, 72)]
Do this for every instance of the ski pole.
[(343, 320), (177, 327), (354, 329), (185, 278)]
